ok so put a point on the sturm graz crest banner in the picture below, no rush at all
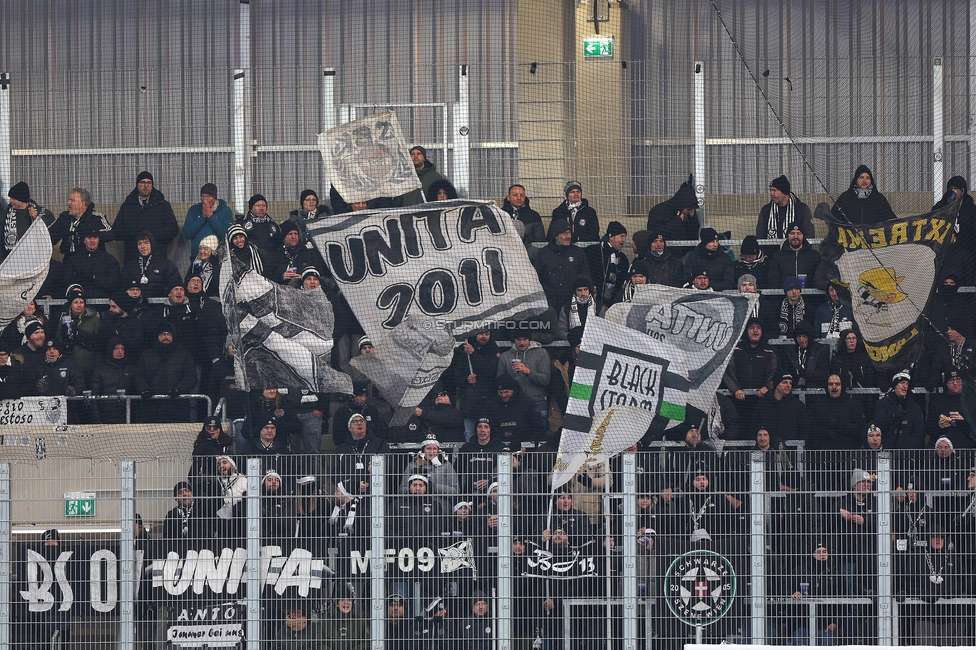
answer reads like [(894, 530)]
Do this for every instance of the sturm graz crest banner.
[(23, 271), (368, 158), (889, 270)]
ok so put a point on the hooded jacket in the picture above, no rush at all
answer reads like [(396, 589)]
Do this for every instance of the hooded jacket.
[(109, 377), (534, 384), (163, 368), (664, 269), (663, 217), (852, 208), (427, 175), (483, 362), (717, 264), (156, 216), (159, 272), (901, 422), (836, 422)]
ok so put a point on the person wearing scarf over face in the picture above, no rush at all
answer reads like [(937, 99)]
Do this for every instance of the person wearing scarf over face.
[(580, 307), (862, 203), (240, 247), (206, 265), (224, 502), (792, 310), (277, 519), (782, 210), (577, 212)]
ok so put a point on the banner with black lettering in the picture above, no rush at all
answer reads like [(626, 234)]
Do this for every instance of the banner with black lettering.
[(451, 265), (889, 270), (368, 158), (662, 352)]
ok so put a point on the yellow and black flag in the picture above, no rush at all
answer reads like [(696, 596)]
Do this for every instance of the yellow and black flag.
[(889, 270)]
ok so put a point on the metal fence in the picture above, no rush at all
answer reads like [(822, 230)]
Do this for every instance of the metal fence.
[(653, 549)]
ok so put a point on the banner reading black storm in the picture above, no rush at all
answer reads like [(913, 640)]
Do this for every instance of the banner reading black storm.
[(890, 270)]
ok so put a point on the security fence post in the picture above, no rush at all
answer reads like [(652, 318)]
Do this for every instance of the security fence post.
[(629, 541), (504, 611), (127, 565), (757, 540), (377, 554), (253, 632), (5, 565), (885, 604)]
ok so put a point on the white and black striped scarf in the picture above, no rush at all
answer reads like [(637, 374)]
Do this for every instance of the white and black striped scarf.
[(773, 229)]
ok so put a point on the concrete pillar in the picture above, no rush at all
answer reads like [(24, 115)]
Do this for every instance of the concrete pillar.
[(602, 106)]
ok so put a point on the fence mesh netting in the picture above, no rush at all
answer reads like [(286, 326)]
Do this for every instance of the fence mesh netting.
[(486, 324)]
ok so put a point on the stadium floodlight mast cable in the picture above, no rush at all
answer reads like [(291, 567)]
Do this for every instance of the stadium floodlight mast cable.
[(809, 165)]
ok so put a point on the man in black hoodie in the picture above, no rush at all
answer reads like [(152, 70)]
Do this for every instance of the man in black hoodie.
[(164, 369), (145, 209), (662, 266), (113, 376), (710, 257), (677, 217), (608, 264), (513, 415), (473, 369), (149, 267), (560, 263)]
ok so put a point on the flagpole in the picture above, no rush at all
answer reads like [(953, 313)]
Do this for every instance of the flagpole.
[(606, 546)]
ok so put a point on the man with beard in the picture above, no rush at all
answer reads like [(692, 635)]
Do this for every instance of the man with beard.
[(145, 210), (130, 321), (795, 259), (836, 422), (31, 354), (560, 263), (164, 369)]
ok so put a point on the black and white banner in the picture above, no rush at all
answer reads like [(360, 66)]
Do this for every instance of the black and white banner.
[(368, 158), (23, 271), (406, 364), (282, 336), (451, 265)]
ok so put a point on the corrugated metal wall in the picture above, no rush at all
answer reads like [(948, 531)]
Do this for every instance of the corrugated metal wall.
[(828, 68), (142, 76), (97, 74)]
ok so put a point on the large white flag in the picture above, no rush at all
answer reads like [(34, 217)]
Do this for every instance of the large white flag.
[(23, 271), (282, 336)]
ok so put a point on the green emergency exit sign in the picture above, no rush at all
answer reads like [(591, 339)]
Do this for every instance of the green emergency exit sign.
[(79, 504), (598, 47)]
